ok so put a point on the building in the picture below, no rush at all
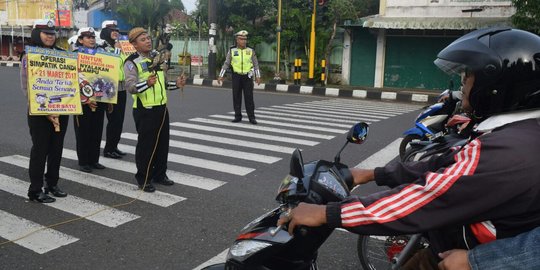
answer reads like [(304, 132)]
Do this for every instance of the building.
[(396, 48)]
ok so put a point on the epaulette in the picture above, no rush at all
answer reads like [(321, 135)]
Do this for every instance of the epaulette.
[(132, 57)]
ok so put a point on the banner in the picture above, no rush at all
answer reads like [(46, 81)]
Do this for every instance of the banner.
[(126, 47), (52, 82), (100, 71)]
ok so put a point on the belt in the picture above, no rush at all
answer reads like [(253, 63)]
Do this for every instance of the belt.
[(241, 74)]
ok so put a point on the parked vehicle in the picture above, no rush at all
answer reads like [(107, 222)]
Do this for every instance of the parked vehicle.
[(262, 245)]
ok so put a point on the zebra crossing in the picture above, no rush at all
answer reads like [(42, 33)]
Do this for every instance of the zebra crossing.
[(242, 149)]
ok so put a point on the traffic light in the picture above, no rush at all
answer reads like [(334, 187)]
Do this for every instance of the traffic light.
[(322, 11), (322, 2)]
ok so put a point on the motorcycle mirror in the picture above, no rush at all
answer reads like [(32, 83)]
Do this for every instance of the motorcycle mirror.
[(358, 133), (296, 166)]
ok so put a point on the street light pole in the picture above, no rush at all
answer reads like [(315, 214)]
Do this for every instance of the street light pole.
[(311, 80), (212, 49), (277, 76)]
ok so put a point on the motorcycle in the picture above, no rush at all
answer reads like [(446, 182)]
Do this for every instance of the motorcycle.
[(430, 122), (262, 245)]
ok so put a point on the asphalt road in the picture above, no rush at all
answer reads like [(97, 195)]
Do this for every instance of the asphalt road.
[(218, 190)]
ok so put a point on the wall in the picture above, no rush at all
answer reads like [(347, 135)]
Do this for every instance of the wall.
[(448, 8), (364, 46)]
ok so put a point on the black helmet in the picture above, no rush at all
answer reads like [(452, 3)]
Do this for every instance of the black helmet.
[(506, 65)]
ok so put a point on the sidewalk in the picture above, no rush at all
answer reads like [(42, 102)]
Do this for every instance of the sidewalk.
[(10, 64), (388, 94)]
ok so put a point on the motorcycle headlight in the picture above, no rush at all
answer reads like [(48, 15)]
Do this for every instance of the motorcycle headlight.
[(243, 249)]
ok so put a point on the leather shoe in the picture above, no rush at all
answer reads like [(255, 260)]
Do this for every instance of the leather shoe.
[(147, 188), (253, 121), (55, 191), (117, 151), (165, 181), (236, 120), (112, 155), (98, 166), (41, 197), (85, 168)]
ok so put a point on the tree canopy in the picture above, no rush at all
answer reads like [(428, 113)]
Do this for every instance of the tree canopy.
[(527, 16)]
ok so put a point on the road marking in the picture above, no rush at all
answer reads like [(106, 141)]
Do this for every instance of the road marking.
[(382, 157), (220, 258), (340, 110), (129, 190), (365, 104), (293, 114), (177, 177), (328, 113), (110, 217), (274, 123), (198, 162), (265, 129), (215, 150), (262, 114), (341, 119), (42, 241), (223, 140), (258, 136)]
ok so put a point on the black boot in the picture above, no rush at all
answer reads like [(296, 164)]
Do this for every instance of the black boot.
[(55, 191), (40, 197)]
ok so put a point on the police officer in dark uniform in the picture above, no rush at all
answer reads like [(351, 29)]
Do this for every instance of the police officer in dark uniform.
[(47, 145), (148, 85), (244, 65), (115, 113)]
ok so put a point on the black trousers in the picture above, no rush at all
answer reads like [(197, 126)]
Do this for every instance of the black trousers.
[(47, 146), (88, 133), (152, 149), (115, 123), (243, 84)]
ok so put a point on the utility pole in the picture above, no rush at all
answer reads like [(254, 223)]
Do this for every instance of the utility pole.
[(277, 76), (311, 79), (212, 49)]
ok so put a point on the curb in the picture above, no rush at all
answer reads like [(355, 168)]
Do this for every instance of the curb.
[(9, 64), (381, 94)]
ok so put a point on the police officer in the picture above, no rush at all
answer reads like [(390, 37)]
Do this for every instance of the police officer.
[(244, 65), (47, 144), (115, 113), (148, 85), (89, 125)]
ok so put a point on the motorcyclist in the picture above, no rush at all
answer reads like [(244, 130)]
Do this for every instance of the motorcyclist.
[(487, 190)]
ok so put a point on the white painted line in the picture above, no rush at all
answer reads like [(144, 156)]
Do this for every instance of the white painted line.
[(357, 107), (382, 157), (42, 241), (197, 81), (110, 217), (197, 162), (378, 103), (419, 98), (282, 87), (129, 190), (220, 258), (177, 177), (341, 111), (214, 150), (311, 127), (306, 89), (259, 86), (303, 115), (316, 112), (258, 136), (332, 92), (223, 140), (262, 128), (262, 114), (359, 93), (388, 95)]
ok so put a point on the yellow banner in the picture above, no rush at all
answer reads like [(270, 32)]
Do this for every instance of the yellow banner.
[(101, 71), (126, 47), (52, 82)]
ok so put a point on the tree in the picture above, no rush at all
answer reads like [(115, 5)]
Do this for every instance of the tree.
[(527, 16), (147, 13)]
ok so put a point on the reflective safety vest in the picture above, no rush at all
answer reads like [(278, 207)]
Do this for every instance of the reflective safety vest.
[(155, 95), (241, 60)]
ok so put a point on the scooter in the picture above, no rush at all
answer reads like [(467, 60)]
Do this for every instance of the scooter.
[(430, 122), (262, 245)]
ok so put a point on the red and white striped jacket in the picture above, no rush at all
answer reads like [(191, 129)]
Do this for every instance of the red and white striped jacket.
[(491, 186)]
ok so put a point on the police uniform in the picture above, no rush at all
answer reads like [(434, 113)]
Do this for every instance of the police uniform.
[(115, 119), (244, 64), (47, 145), (151, 117), (89, 126)]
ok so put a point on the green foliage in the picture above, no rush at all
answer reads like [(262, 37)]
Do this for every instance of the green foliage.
[(147, 13), (527, 16)]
